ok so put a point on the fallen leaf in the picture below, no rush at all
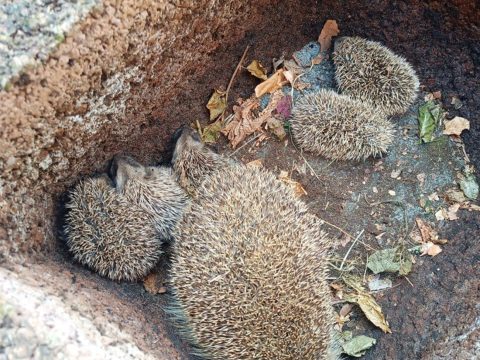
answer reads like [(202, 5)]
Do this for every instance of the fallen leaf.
[(346, 309), (433, 196), (255, 163), (272, 84), (357, 346), (383, 261), (470, 207), (257, 70), (211, 132), (452, 212), (377, 284), (153, 284), (371, 309), (217, 104), (455, 196), (429, 115), (330, 29), (276, 127), (430, 248), (456, 126), (469, 186), (295, 185), (245, 122), (441, 215), (428, 233)]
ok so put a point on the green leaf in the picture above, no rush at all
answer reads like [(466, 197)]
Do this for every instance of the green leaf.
[(429, 115), (358, 345), (469, 186), (211, 133), (383, 261)]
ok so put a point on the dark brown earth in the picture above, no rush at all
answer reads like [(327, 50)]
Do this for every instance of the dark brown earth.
[(441, 39)]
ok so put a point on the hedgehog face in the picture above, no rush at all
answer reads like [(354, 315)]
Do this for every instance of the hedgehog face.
[(192, 161), (152, 188)]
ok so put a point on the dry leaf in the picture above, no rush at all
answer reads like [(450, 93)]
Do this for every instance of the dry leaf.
[(428, 233), (211, 132), (345, 310), (276, 127), (471, 207), (153, 284), (245, 123), (217, 104), (257, 70), (371, 309), (452, 212), (295, 185), (456, 126), (455, 196), (255, 163), (441, 215), (330, 29), (430, 248), (272, 84)]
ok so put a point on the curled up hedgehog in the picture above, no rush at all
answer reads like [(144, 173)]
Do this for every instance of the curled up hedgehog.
[(370, 72), (339, 127), (248, 273), (116, 228)]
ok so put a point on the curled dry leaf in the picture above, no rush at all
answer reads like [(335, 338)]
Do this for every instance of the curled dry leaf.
[(245, 122), (430, 248), (257, 70), (217, 104), (295, 185), (456, 126), (428, 233), (371, 309), (272, 84), (255, 163), (330, 29), (276, 127)]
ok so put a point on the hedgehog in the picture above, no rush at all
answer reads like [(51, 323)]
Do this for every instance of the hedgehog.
[(152, 188), (249, 265), (108, 234), (188, 175), (368, 71), (340, 128)]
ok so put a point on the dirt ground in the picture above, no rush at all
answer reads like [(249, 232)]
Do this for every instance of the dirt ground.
[(436, 311)]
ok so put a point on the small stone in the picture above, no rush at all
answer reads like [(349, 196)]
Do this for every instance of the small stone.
[(392, 193)]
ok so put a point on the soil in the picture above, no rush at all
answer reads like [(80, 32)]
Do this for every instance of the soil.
[(434, 314)]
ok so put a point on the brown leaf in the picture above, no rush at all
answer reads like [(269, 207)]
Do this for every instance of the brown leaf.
[(245, 122), (257, 70), (345, 310), (217, 104), (295, 185), (276, 127), (428, 233), (272, 84), (371, 309), (430, 248), (153, 284), (330, 29), (456, 126), (255, 163), (452, 212)]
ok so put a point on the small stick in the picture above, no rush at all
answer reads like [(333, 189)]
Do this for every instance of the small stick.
[(350, 249), (239, 65), (406, 278)]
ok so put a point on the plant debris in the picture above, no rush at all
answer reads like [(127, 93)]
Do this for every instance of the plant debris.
[(272, 84), (358, 345), (456, 126), (390, 260), (211, 132), (256, 69), (276, 127), (217, 104), (429, 116), (330, 29), (429, 248), (377, 284), (295, 185)]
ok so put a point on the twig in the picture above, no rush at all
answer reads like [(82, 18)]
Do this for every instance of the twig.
[(406, 278), (350, 249), (230, 83), (245, 144)]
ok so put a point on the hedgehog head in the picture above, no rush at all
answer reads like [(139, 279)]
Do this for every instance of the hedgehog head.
[(153, 188), (193, 161)]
